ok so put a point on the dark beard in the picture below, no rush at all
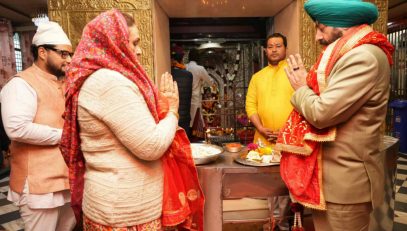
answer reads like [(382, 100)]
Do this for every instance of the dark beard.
[(335, 35), (58, 72)]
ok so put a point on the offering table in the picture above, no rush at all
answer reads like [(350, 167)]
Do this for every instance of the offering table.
[(226, 179)]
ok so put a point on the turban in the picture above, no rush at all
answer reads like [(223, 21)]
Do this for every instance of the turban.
[(341, 13), (177, 50), (50, 33)]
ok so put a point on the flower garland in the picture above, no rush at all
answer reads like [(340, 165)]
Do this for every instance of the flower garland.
[(178, 65)]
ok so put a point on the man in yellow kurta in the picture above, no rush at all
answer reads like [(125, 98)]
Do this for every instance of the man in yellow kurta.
[(268, 103), (268, 97)]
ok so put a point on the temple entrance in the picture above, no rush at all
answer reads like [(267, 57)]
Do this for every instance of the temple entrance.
[(230, 60), (231, 51)]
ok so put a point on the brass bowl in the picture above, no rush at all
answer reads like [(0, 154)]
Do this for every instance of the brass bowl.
[(233, 147)]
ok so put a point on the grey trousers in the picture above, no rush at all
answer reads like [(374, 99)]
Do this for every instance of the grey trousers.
[(340, 217)]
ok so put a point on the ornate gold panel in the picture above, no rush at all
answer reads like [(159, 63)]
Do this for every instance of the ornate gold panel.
[(310, 49), (74, 14), (381, 23)]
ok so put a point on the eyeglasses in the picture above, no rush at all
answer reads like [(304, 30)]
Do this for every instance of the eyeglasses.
[(62, 53)]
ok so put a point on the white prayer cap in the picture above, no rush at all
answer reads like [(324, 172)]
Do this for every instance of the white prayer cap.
[(50, 33)]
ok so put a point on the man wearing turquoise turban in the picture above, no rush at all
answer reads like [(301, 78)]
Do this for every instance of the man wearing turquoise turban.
[(342, 13), (330, 144)]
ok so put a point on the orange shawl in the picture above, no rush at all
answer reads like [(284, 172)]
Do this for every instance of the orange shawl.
[(299, 141), (178, 65), (104, 44)]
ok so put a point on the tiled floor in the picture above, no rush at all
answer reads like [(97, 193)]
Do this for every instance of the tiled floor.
[(10, 218), (400, 217), (9, 215)]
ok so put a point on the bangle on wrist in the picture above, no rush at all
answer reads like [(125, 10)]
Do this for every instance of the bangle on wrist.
[(175, 113)]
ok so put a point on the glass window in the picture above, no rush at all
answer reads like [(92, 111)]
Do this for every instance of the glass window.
[(17, 50)]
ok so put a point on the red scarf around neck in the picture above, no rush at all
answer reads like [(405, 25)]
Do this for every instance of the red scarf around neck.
[(300, 142), (175, 63), (104, 44)]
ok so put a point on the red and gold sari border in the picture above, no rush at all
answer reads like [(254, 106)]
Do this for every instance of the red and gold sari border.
[(304, 150), (329, 136)]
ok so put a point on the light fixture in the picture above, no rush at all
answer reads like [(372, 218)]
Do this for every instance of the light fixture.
[(210, 45), (41, 16)]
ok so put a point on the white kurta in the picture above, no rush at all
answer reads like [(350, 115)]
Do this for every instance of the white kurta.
[(200, 75), (18, 109)]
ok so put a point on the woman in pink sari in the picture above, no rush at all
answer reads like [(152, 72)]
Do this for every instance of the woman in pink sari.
[(130, 167)]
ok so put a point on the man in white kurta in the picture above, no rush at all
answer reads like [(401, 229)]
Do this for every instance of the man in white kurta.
[(32, 105), (200, 76)]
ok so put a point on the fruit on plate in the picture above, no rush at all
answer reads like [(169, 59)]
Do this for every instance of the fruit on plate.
[(266, 158), (267, 150), (253, 156)]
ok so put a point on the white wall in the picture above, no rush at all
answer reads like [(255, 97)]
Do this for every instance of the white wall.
[(287, 22), (161, 38)]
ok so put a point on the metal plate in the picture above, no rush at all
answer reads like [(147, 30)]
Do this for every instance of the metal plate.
[(254, 163), (209, 158)]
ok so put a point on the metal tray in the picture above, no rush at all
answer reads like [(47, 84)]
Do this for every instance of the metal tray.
[(209, 158), (254, 163)]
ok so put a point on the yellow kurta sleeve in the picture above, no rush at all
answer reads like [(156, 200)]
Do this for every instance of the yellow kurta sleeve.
[(251, 98)]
